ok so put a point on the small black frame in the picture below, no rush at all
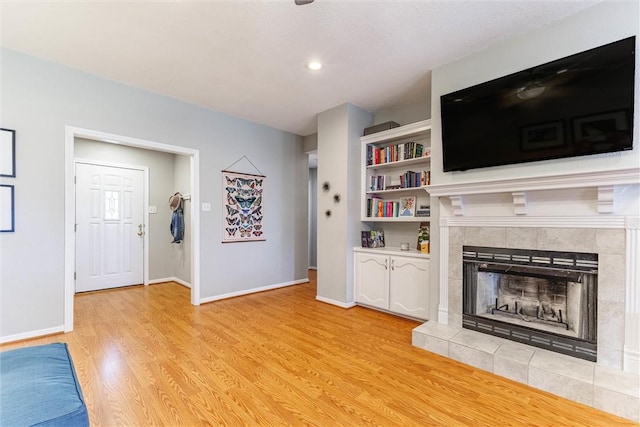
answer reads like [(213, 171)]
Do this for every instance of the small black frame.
[(8, 148)]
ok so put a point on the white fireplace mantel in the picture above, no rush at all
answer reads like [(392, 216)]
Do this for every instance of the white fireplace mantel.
[(607, 178), (585, 200)]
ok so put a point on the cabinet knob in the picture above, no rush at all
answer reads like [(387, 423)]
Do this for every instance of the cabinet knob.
[(386, 264), (393, 264)]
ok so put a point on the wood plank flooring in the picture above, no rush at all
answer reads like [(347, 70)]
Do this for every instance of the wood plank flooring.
[(146, 356)]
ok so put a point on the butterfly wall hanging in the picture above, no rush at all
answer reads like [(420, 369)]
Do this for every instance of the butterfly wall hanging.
[(243, 213)]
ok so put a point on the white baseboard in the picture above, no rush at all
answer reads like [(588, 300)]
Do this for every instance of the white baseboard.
[(631, 360), (170, 279), (313, 267), (334, 302), (253, 291), (32, 334)]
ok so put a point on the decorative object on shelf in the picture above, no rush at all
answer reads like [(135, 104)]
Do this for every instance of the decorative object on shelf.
[(7, 153), (336, 198), (423, 210), (407, 206), (404, 246), (423, 237), (372, 239), (381, 127), (326, 186), (7, 209), (327, 213), (242, 200)]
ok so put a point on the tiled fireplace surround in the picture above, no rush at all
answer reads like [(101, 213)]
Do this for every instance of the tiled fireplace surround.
[(612, 383)]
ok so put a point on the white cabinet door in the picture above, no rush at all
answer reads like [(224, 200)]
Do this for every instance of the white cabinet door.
[(372, 280), (409, 286)]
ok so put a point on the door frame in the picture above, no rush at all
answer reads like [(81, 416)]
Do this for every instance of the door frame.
[(71, 133), (145, 209)]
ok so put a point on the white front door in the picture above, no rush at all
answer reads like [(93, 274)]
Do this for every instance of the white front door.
[(109, 227)]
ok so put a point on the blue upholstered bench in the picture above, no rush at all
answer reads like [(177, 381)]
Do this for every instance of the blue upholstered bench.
[(39, 387)]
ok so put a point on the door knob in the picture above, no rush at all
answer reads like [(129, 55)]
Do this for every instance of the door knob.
[(140, 232)]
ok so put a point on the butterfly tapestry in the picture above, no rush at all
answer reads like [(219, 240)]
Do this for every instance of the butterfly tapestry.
[(242, 200)]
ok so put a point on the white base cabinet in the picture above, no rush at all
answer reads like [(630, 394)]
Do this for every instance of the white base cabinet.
[(392, 281)]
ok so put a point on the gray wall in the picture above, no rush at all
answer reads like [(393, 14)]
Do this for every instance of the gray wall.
[(39, 98), (406, 114), (339, 131), (589, 28)]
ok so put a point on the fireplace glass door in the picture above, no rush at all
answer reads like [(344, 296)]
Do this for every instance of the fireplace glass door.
[(542, 298)]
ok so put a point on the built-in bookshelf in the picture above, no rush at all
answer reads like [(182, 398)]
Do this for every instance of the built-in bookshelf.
[(396, 173)]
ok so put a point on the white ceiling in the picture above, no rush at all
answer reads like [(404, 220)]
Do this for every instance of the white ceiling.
[(247, 58)]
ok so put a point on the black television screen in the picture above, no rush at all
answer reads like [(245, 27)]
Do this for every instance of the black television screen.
[(574, 106)]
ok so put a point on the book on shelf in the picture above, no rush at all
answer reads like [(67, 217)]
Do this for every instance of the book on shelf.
[(411, 179), (423, 210), (394, 153), (379, 208)]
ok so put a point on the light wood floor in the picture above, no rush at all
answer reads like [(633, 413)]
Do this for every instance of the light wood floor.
[(145, 356)]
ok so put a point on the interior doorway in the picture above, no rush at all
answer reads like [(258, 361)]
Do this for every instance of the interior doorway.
[(71, 134), (313, 210), (110, 225)]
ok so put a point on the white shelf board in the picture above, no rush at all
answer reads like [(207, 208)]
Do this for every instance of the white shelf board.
[(396, 219), (399, 190), (401, 163), (393, 250)]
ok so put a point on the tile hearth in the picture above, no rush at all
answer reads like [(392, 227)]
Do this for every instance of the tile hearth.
[(601, 387)]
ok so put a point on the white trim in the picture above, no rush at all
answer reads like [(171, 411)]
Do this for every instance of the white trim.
[(171, 279), (606, 199), (253, 291), (608, 221), (631, 356), (195, 226), (443, 300), (32, 334), (71, 133), (313, 267), (551, 182), (457, 203), (145, 201), (631, 360), (519, 202), (336, 302)]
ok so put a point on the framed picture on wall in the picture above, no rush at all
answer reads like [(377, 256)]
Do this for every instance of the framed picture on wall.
[(7, 208), (8, 153)]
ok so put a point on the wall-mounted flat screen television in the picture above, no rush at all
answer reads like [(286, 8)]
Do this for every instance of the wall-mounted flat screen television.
[(579, 105)]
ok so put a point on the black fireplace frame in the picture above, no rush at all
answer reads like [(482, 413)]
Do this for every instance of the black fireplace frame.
[(539, 262)]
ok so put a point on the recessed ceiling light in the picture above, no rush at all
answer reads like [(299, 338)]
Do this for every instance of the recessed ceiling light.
[(314, 65)]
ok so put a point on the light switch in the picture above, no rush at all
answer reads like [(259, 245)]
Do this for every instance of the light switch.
[(153, 209), (206, 207)]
